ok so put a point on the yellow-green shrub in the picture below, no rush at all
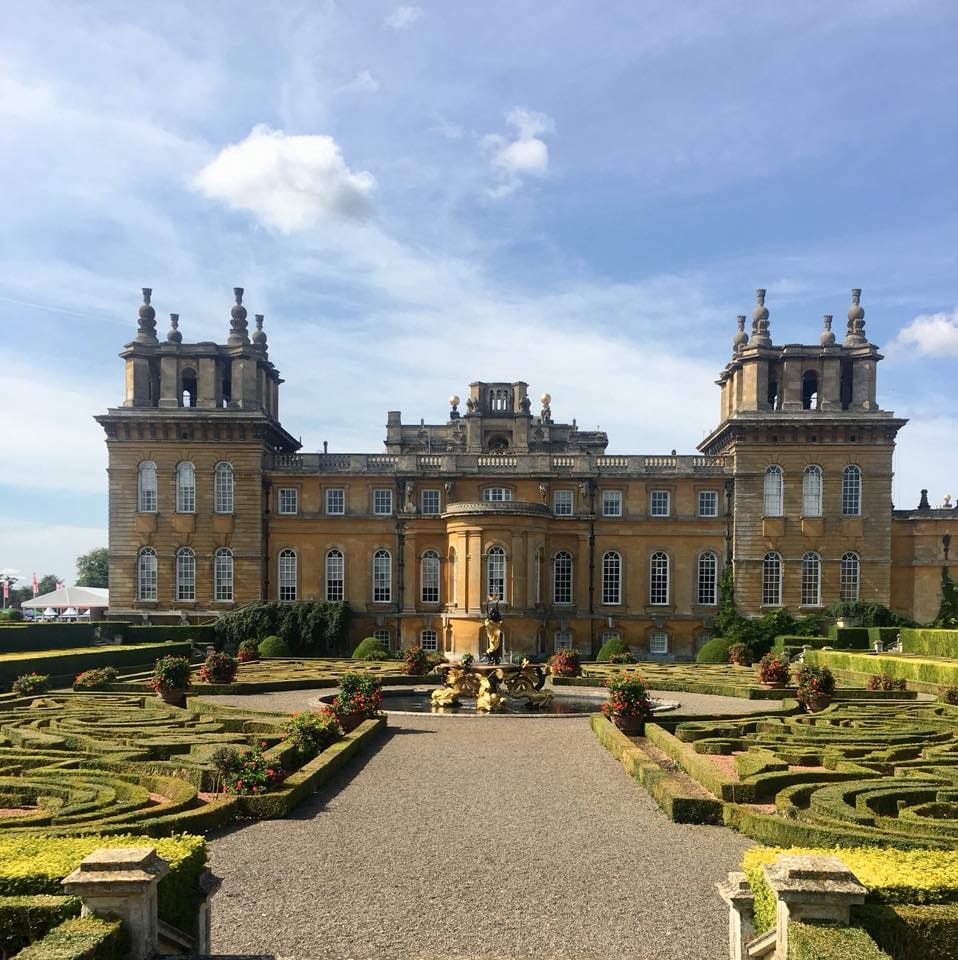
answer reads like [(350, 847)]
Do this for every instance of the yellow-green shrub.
[(891, 876), (83, 938)]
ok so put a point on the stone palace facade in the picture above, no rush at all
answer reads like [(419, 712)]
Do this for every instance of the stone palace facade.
[(212, 505)]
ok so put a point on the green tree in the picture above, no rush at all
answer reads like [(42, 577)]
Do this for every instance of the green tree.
[(948, 611), (93, 569)]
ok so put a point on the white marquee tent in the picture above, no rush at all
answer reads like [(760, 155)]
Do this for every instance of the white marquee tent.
[(80, 598)]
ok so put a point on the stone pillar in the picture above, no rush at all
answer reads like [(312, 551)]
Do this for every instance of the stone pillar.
[(811, 888), (208, 387), (790, 389), (169, 382), (121, 882), (829, 390), (410, 595), (741, 927)]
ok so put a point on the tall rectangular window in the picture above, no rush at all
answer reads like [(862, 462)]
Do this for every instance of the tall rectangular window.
[(382, 577), (611, 503), (336, 501), (185, 488), (288, 500), (707, 583), (429, 501), (335, 575), (562, 640), (659, 579), (146, 484), (287, 575), (851, 491), (772, 580), (429, 575), (223, 575), (429, 640), (562, 503), (383, 502), (611, 578), (659, 503), (708, 503), (658, 642), (562, 577)]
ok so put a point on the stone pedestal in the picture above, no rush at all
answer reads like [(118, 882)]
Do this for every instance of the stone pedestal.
[(811, 888), (741, 928), (121, 882)]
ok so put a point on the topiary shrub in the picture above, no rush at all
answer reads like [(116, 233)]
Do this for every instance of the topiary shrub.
[(370, 649), (713, 651), (612, 646), (273, 647), (95, 679)]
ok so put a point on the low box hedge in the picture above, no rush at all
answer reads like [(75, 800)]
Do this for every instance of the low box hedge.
[(911, 932), (822, 941), (137, 633), (82, 938), (26, 919), (66, 664), (929, 643), (935, 672), (37, 637)]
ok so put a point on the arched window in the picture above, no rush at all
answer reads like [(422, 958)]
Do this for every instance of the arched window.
[(453, 591), (223, 574), (851, 491), (223, 488), (146, 574), (611, 578), (335, 576), (429, 577), (810, 390), (849, 583), (659, 579), (382, 577), (562, 577), (146, 487), (774, 483), (772, 580), (707, 579), (185, 488), (189, 388), (185, 574), (496, 573), (811, 580), (812, 491), (287, 575)]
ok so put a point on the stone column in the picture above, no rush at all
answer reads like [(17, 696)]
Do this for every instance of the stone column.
[(741, 927), (121, 882), (410, 595)]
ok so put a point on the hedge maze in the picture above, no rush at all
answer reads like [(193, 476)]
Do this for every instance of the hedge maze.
[(856, 774)]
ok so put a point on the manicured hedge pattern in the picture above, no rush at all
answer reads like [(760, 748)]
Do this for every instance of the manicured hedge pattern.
[(930, 643), (908, 932), (857, 774), (83, 938), (26, 919), (820, 941), (934, 673), (36, 637)]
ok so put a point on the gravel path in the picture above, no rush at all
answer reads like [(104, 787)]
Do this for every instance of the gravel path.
[(505, 838)]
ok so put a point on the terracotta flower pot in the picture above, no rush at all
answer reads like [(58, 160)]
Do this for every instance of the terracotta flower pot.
[(349, 721), (631, 726)]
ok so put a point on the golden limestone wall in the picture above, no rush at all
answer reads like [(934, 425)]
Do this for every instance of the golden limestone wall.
[(830, 535), (166, 531), (917, 561)]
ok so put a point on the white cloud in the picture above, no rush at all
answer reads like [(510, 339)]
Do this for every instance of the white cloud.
[(289, 182), (520, 154), (403, 17), (930, 335), (363, 82)]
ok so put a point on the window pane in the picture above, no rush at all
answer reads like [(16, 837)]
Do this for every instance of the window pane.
[(146, 487), (659, 579), (185, 575), (287, 575), (773, 491), (223, 575), (185, 488), (708, 503), (812, 492), (850, 578), (707, 579), (612, 503), (772, 580), (496, 573), (430, 502), (658, 642), (659, 503), (288, 500), (611, 578), (223, 488), (382, 502), (562, 503), (335, 576), (811, 580), (496, 494), (383, 637), (336, 501), (429, 640), (430, 577), (562, 578), (146, 575), (562, 640), (851, 491), (382, 577)]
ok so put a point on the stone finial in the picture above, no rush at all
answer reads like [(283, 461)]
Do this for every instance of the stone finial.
[(147, 319), (238, 334), (454, 407), (174, 335), (740, 340), (855, 335), (546, 412), (760, 324), (923, 503), (827, 339), (259, 335)]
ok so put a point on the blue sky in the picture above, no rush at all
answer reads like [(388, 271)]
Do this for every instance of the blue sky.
[(579, 195)]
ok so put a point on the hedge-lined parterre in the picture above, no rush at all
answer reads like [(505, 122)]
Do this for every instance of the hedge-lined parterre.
[(854, 774)]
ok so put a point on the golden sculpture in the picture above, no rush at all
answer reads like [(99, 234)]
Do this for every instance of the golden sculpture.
[(445, 697), (489, 699), (493, 625)]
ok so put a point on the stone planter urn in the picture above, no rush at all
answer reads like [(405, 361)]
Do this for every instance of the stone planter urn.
[(174, 696), (349, 721), (817, 704), (630, 726), (780, 685)]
